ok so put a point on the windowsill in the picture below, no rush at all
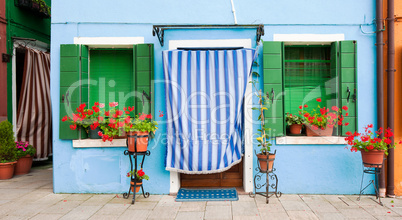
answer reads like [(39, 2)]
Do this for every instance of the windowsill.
[(310, 140), (84, 143)]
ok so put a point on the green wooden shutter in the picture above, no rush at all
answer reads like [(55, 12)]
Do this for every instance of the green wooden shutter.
[(144, 75), (348, 83), (273, 87), (73, 85)]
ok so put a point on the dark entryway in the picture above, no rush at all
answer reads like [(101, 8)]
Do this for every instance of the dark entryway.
[(230, 178)]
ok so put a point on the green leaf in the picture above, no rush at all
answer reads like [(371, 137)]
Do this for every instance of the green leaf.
[(254, 108), (256, 74)]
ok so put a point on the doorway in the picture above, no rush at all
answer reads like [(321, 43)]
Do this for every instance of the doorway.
[(242, 173), (230, 178)]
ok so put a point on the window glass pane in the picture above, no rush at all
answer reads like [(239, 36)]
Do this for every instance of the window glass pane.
[(112, 72), (308, 76)]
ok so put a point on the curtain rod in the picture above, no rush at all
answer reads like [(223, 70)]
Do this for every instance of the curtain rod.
[(159, 30)]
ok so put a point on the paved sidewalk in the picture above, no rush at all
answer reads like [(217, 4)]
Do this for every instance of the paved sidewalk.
[(30, 197)]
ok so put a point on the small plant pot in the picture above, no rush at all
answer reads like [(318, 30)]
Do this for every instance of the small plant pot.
[(263, 159), (319, 132), (7, 170), (137, 186), (295, 128), (23, 165), (372, 158), (142, 142)]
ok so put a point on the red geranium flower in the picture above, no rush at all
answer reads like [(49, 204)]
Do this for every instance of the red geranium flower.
[(345, 108), (388, 141), (65, 118), (318, 99), (73, 127)]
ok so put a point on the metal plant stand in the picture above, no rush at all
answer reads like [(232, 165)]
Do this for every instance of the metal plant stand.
[(269, 174), (135, 155), (371, 169)]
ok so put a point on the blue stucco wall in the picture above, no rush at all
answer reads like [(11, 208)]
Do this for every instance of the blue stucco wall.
[(327, 169)]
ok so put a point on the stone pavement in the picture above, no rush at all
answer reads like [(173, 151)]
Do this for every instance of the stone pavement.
[(30, 197)]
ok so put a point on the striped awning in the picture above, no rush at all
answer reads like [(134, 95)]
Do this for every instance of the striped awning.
[(204, 97)]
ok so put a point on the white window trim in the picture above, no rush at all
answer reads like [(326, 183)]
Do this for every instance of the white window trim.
[(96, 143), (289, 140), (248, 148), (109, 42), (105, 42), (309, 39)]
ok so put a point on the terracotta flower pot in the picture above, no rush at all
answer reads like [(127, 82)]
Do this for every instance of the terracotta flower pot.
[(319, 132), (138, 186), (23, 165), (262, 159), (7, 170), (142, 142), (375, 157), (295, 128)]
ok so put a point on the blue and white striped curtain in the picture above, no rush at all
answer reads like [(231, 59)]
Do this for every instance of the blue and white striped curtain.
[(204, 98)]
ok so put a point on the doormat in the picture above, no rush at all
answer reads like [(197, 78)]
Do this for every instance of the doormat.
[(195, 195)]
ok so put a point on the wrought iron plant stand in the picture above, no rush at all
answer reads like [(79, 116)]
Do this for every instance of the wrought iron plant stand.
[(135, 155), (371, 169), (269, 174)]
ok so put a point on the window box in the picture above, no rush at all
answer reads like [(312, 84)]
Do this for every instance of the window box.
[(37, 7)]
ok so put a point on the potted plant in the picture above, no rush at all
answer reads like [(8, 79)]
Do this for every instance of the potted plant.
[(321, 121), (136, 179), (140, 128), (265, 158), (89, 119), (8, 151), (25, 154), (295, 123), (115, 122), (371, 145)]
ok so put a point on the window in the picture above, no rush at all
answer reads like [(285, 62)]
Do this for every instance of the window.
[(112, 72), (298, 74), (104, 75)]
